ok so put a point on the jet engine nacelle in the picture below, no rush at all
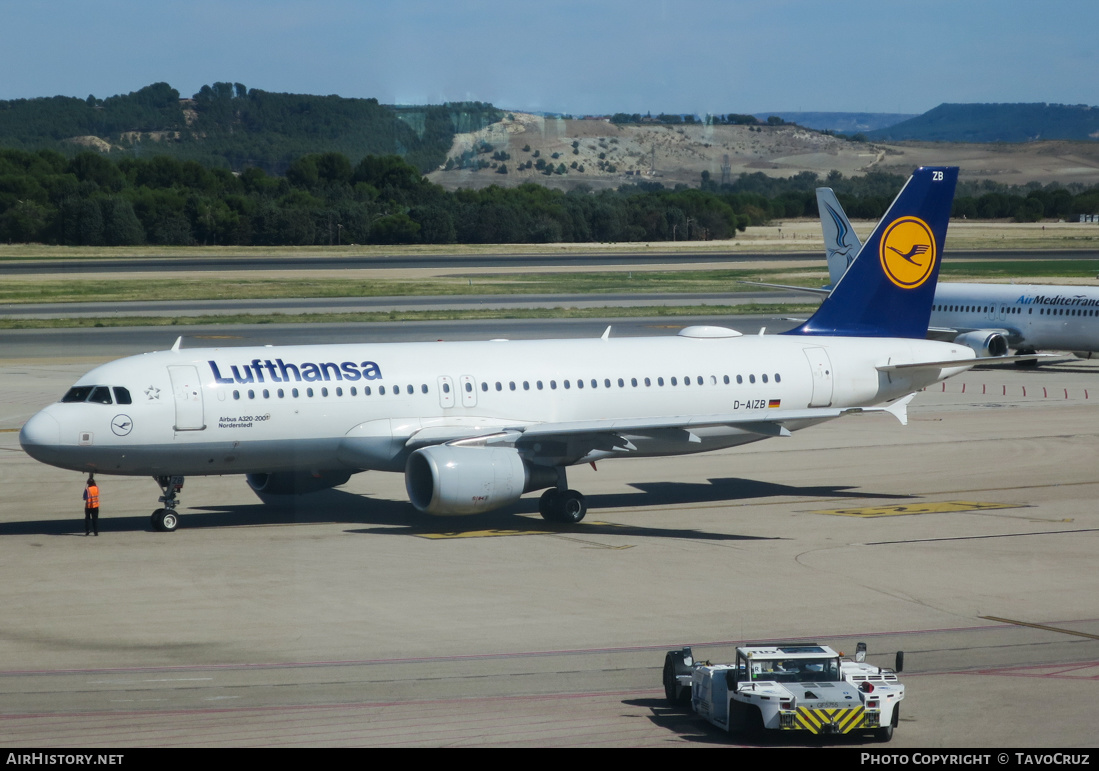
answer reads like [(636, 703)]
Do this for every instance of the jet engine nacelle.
[(295, 482), (446, 480), (984, 343)]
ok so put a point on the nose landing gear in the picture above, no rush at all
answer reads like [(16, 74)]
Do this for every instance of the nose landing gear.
[(166, 520)]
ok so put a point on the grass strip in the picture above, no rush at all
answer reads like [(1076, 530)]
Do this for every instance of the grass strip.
[(82, 289), (124, 290), (366, 318), (979, 269)]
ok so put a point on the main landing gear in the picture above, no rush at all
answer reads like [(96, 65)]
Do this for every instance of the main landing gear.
[(166, 520), (1026, 362), (559, 504)]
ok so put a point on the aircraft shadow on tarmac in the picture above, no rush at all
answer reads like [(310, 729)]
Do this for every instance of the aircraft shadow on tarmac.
[(389, 517), (730, 489)]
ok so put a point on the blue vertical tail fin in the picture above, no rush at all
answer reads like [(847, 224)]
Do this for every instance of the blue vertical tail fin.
[(889, 287)]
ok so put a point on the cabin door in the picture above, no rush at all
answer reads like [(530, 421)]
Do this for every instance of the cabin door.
[(187, 389), (822, 376)]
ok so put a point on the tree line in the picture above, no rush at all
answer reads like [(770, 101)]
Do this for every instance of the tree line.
[(231, 126), (868, 196), (325, 199), (728, 119)]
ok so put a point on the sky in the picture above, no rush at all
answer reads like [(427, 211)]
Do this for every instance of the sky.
[(577, 57)]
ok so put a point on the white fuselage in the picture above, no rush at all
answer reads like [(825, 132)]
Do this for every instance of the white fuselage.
[(357, 407), (1063, 318)]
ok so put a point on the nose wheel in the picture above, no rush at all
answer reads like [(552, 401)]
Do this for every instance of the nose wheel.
[(166, 520)]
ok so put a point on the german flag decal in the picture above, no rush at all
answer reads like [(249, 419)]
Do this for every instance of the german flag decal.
[(774, 403)]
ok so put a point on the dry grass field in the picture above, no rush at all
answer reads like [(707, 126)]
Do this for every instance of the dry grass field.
[(795, 235)]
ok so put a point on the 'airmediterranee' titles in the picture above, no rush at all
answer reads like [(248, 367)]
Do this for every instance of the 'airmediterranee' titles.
[(1078, 301), (278, 371)]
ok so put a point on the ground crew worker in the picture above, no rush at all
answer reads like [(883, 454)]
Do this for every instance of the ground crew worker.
[(91, 507)]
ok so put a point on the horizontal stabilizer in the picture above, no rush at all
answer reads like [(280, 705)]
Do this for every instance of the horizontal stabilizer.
[(820, 291), (948, 363)]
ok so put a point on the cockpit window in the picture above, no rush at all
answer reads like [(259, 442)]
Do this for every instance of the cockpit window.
[(101, 395), (77, 394), (97, 395)]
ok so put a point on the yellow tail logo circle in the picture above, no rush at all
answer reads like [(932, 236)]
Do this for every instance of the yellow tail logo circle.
[(907, 252)]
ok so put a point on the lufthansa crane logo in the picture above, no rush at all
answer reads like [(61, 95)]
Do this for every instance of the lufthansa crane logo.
[(121, 425), (907, 252)]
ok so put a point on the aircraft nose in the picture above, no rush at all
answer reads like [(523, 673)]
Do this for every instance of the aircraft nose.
[(40, 436)]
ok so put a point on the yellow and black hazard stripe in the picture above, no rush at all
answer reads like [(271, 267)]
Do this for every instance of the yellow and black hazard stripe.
[(827, 721)]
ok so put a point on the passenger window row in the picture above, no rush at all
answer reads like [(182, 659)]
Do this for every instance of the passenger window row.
[(1068, 312), (594, 383), (511, 385), (324, 391), (977, 309)]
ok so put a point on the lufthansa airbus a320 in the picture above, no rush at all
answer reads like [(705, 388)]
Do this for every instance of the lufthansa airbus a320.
[(475, 425)]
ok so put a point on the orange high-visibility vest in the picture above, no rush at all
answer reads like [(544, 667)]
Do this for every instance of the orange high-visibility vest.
[(93, 497)]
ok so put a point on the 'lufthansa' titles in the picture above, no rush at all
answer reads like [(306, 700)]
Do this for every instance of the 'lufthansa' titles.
[(907, 252), (278, 371)]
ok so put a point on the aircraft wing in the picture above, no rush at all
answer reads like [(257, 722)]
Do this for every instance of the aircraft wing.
[(948, 334), (944, 333), (571, 441)]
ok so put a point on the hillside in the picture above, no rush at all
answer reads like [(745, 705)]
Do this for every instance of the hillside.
[(472, 145), (996, 123), (608, 155), (230, 126), (840, 122), (682, 153)]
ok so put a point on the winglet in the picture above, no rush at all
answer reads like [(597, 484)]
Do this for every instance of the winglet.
[(606, 333), (899, 408), (178, 343)]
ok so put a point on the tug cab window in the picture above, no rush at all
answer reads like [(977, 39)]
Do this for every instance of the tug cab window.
[(800, 670)]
